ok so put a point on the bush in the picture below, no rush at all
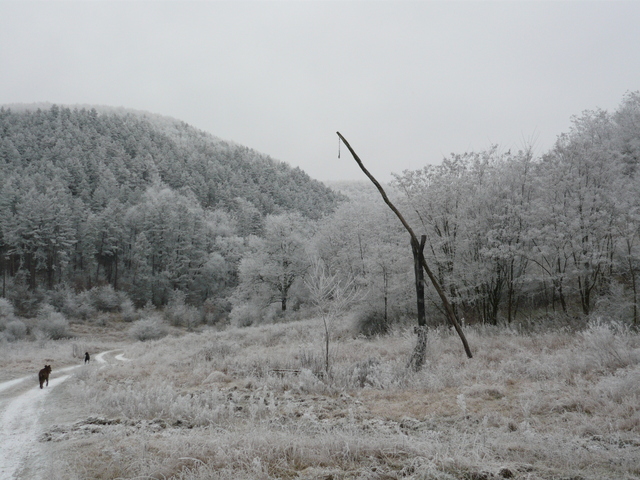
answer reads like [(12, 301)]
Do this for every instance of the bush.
[(58, 296), (183, 316), (25, 302), (609, 345), (245, 315), (78, 306), (6, 309), (128, 310), (148, 329), (179, 314), (53, 324), (371, 323), (215, 313), (15, 330), (106, 299), (617, 304), (88, 304)]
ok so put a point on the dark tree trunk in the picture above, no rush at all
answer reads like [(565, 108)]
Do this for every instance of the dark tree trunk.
[(634, 288), (418, 250), (31, 268), (50, 271), (115, 276)]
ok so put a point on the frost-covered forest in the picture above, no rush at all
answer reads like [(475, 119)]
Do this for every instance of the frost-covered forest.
[(113, 210), (141, 204)]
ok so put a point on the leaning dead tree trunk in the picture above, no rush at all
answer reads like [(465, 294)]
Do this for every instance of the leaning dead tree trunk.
[(414, 241)]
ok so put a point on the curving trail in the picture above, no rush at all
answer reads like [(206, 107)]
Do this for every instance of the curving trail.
[(20, 410)]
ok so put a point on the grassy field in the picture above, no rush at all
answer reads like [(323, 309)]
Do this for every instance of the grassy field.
[(256, 403)]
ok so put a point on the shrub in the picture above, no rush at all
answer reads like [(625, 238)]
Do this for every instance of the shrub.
[(274, 314), (148, 329), (58, 296), (183, 316), (180, 314), (15, 330), (245, 315), (128, 310), (371, 323), (6, 309), (215, 313), (616, 304), (608, 345), (25, 302), (106, 299), (87, 304), (78, 306), (52, 323)]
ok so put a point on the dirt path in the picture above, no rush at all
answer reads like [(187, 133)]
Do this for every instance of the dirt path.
[(22, 403)]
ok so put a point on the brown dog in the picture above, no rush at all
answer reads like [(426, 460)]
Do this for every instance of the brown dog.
[(43, 375)]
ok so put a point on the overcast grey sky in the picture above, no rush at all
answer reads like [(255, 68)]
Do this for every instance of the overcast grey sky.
[(405, 82)]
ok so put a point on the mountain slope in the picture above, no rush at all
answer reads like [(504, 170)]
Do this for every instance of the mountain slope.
[(86, 149)]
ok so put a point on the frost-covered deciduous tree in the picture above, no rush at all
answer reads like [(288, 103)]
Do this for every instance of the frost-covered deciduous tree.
[(360, 241), (435, 197), (627, 230), (331, 296), (627, 120), (577, 207), (499, 221), (274, 264), (463, 208)]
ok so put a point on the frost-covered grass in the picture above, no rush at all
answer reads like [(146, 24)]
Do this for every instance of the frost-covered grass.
[(26, 357), (255, 403)]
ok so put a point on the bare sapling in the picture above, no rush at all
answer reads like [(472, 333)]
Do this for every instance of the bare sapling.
[(332, 297)]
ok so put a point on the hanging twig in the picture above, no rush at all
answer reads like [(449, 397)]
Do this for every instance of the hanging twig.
[(434, 281)]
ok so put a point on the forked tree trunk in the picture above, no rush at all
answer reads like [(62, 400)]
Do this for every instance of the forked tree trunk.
[(418, 250), (414, 241), (419, 352)]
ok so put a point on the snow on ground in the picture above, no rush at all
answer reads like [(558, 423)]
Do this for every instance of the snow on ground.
[(21, 408), (122, 358), (19, 427)]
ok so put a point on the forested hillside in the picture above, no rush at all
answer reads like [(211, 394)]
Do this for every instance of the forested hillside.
[(151, 211), (140, 202)]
